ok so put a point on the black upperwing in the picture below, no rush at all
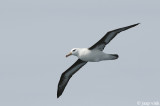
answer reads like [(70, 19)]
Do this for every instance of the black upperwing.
[(67, 75), (100, 45)]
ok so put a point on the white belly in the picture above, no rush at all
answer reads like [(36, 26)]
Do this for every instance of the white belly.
[(92, 55)]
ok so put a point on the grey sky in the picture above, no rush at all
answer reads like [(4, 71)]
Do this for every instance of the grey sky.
[(35, 36)]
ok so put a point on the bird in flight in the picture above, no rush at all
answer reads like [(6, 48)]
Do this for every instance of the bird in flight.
[(93, 54)]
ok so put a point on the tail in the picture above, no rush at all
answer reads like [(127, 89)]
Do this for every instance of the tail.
[(114, 56)]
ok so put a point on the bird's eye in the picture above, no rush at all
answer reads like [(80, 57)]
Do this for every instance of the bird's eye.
[(74, 50)]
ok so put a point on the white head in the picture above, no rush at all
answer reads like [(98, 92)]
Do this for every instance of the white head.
[(73, 51)]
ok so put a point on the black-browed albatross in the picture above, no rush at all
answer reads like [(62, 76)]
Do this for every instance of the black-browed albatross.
[(93, 54)]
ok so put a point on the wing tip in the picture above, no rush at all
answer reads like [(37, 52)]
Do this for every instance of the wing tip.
[(133, 25), (137, 24), (127, 27), (58, 94)]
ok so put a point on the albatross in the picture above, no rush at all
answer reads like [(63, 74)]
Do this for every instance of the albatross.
[(93, 54)]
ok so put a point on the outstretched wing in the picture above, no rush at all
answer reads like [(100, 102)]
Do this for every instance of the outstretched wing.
[(100, 45), (67, 75)]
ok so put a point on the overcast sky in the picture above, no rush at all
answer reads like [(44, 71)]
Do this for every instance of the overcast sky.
[(35, 36)]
